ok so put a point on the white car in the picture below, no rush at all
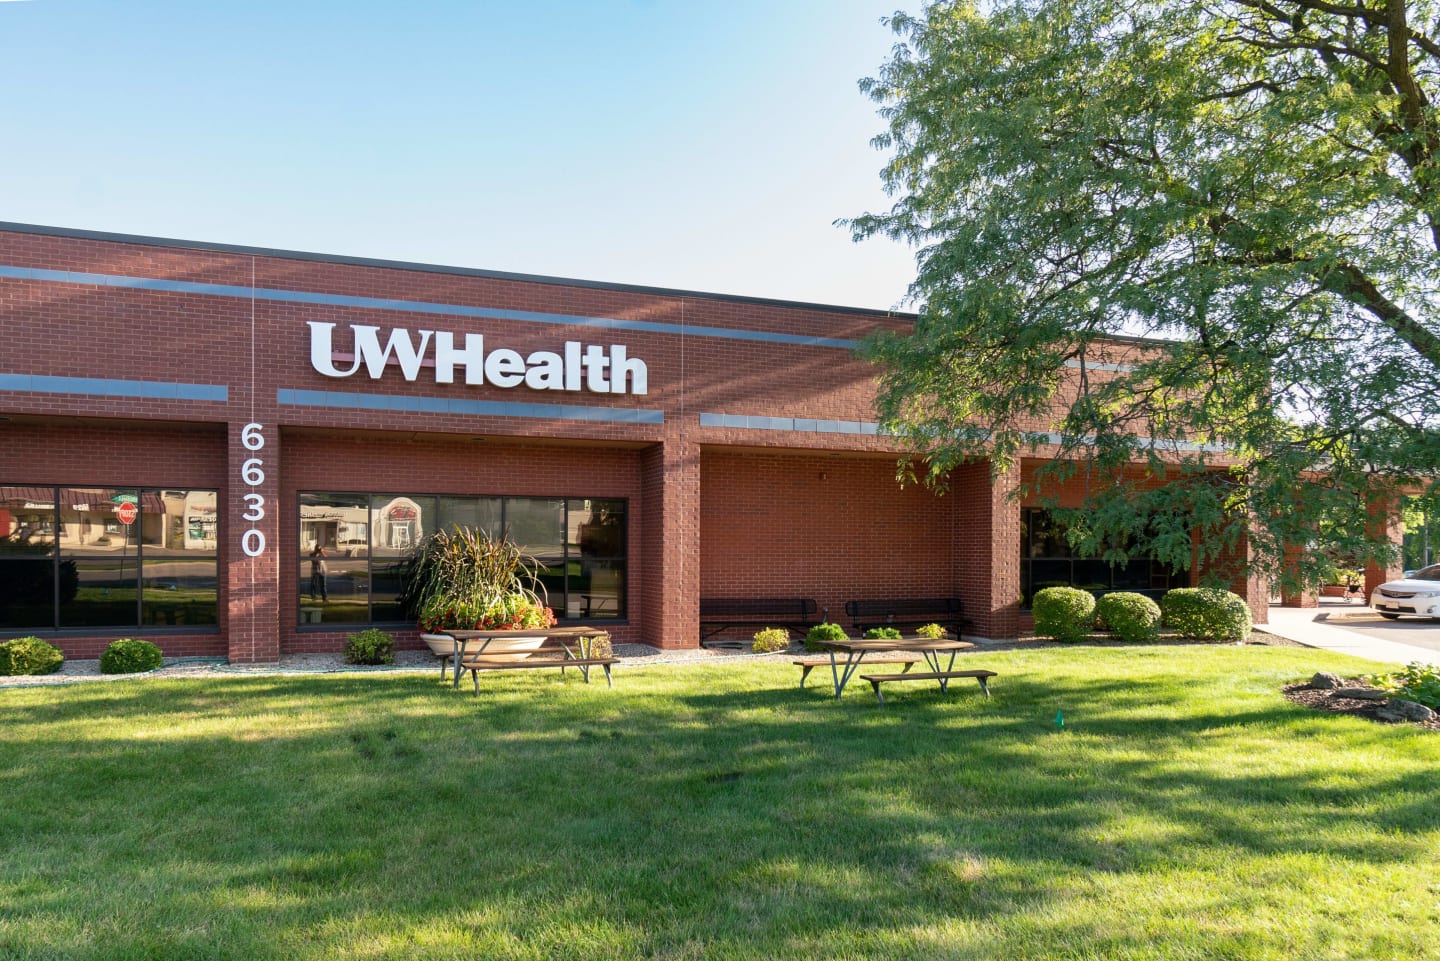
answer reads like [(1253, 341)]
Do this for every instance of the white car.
[(1417, 594)]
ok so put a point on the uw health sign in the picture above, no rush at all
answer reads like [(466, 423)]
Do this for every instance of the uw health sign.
[(575, 367)]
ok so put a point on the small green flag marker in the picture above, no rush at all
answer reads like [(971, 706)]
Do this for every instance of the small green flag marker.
[(1059, 718)]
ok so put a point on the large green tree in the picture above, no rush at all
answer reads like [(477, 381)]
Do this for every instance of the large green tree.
[(1248, 189)]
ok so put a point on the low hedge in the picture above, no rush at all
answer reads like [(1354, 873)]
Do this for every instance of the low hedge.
[(824, 632), (1064, 613), (370, 646), (1207, 613), (29, 655), (130, 655), (1129, 616), (770, 640)]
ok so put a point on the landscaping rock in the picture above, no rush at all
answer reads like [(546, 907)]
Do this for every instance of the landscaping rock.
[(1398, 710), (1361, 693), (1325, 681)]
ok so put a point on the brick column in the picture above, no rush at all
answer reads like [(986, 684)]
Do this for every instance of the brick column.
[(1386, 520), (670, 544), (252, 583), (987, 549), (1300, 597), (1237, 564)]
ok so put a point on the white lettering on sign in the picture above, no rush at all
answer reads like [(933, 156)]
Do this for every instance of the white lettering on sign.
[(592, 367), (252, 438)]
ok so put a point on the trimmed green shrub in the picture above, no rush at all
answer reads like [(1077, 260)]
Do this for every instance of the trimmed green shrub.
[(883, 633), (934, 631), (1064, 613), (29, 655), (1129, 616), (824, 632), (130, 655), (770, 640), (1207, 613), (370, 646)]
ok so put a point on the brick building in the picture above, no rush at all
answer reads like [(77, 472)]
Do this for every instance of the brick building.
[(183, 423)]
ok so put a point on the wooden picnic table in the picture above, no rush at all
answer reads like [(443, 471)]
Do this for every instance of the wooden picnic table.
[(472, 643), (928, 647)]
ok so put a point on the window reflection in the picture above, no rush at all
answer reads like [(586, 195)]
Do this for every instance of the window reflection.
[(1048, 560), (77, 557), (579, 545), (481, 514)]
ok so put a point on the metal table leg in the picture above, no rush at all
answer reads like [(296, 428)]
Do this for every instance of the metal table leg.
[(932, 659), (841, 678)]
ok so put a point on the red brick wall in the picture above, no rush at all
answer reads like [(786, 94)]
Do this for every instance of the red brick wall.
[(832, 528)]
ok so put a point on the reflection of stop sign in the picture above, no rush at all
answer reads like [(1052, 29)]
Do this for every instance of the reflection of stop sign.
[(127, 513)]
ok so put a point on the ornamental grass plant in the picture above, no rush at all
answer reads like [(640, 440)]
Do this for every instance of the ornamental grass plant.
[(467, 579), (1185, 810)]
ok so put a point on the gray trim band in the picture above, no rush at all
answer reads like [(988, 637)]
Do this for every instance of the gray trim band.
[(478, 408), (106, 387), (410, 306)]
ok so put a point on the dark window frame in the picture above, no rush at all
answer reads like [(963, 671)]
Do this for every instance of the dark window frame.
[(560, 605), (1034, 520), (54, 527)]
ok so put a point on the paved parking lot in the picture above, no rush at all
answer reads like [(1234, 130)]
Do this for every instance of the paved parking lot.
[(1419, 632)]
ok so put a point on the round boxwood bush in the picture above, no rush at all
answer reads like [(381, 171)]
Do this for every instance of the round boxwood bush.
[(883, 634), (130, 655), (1129, 616), (370, 646), (29, 655), (770, 640), (824, 632), (1064, 613), (1207, 613)]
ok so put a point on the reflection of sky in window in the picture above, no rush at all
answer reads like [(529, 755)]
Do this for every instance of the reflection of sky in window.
[(536, 524)]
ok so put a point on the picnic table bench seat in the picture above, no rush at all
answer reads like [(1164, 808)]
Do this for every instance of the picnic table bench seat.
[(541, 658), (942, 676), (808, 663), (792, 613), (912, 612)]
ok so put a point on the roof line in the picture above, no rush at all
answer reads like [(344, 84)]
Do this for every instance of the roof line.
[(107, 236)]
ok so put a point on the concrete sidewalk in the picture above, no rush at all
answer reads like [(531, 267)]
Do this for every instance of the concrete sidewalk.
[(1311, 627)]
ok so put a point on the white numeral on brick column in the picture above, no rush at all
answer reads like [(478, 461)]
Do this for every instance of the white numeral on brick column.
[(252, 473)]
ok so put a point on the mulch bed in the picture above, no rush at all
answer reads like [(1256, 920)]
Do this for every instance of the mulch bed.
[(1322, 700)]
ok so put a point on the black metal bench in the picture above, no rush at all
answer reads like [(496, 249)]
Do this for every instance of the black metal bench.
[(720, 613), (912, 612)]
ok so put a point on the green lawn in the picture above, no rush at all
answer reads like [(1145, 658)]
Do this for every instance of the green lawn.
[(1185, 811)]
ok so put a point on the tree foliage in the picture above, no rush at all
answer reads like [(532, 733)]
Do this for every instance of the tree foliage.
[(1207, 233)]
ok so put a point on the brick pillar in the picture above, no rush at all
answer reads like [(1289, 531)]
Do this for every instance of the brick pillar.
[(252, 582), (1238, 564), (670, 544), (1386, 520), (1301, 597), (987, 549)]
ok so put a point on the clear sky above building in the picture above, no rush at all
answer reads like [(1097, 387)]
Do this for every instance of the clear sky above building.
[(671, 143)]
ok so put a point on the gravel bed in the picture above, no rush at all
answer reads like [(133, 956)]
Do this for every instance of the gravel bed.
[(80, 671)]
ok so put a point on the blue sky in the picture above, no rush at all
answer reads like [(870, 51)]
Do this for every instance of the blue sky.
[(671, 143)]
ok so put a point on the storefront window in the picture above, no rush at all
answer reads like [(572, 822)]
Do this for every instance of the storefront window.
[(1047, 560), (86, 557), (579, 545)]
